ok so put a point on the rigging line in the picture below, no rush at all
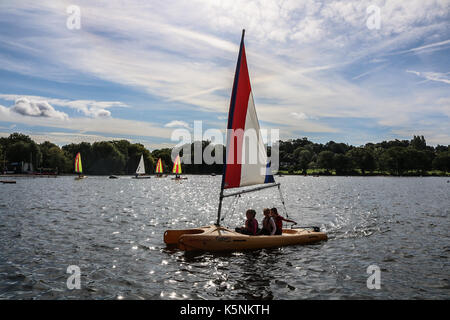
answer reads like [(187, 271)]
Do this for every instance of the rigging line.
[(282, 201), (232, 207)]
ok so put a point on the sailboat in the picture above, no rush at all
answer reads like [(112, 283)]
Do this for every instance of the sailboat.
[(79, 167), (177, 169), (159, 169), (140, 171), (237, 174)]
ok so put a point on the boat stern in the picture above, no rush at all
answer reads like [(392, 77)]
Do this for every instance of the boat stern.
[(172, 237)]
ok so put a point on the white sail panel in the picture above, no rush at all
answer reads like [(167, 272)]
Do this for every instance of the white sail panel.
[(141, 167), (254, 157)]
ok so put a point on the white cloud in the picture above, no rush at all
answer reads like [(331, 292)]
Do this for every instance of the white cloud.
[(440, 44), (432, 76), (108, 126), (26, 107), (177, 123), (300, 115), (63, 138), (90, 108), (185, 52)]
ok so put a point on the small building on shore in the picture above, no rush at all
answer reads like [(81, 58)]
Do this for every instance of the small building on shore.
[(19, 167)]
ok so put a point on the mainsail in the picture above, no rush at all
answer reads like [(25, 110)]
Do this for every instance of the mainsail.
[(177, 166), (141, 167), (246, 158), (242, 167), (159, 167), (78, 166)]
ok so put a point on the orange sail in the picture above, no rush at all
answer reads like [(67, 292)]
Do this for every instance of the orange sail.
[(159, 167), (78, 166), (177, 166)]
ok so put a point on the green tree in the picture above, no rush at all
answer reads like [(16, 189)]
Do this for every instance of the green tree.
[(165, 156), (440, 148), (362, 158), (53, 157), (2, 159), (106, 159), (87, 157), (304, 158), (418, 143), (394, 160), (122, 146), (21, 150), (16, 137), (342, 163), (56, 159), (419, 160), (442, 161), (325, 160), (336, 147)]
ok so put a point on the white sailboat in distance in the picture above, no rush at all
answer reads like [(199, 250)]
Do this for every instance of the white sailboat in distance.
[(140, 171)]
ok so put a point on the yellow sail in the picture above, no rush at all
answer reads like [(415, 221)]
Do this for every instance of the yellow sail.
[(177, 166), (159, 167), (78, 166)]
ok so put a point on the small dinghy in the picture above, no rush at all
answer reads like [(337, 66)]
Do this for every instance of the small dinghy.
[(8, 181), (214, 238), (177, 169), (159, 170), (140, 171), (79, 167), (237, 174)]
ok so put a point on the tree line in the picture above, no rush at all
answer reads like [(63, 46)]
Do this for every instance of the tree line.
[(395, 157), (296, 156)]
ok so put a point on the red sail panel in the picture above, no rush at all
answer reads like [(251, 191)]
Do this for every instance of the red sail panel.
[(236, 121)]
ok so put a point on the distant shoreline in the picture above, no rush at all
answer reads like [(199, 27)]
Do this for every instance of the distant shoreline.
[(207, 174), (434, 173)]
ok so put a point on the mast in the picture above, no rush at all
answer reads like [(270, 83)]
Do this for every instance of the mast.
[(230, 124)]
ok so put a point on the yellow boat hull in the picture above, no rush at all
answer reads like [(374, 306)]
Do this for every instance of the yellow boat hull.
[(213, 238)]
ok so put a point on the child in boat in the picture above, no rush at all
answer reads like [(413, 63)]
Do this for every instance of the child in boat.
[(279, 221), (251, 224), (268, 224)]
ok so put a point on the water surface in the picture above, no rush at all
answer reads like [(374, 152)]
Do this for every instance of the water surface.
[(113, 230)]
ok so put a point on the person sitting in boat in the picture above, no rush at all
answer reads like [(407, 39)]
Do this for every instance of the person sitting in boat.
[(251, 224), (279, 221), (268, 224)]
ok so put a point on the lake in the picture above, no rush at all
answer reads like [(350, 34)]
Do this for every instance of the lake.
[(113, 231)]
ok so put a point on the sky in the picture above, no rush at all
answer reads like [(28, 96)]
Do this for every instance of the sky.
[(348, 71)]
